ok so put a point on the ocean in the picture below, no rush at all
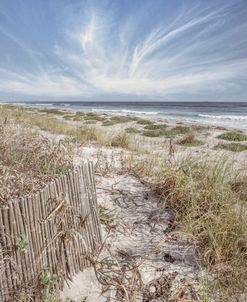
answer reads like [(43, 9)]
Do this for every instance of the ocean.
[(229, 114)]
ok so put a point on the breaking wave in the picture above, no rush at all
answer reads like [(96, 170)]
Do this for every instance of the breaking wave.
[(225, 117)]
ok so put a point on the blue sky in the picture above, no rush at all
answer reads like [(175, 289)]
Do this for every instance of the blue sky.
[(188, 50)]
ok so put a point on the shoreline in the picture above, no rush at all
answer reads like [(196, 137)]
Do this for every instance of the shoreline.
[(214, 122)]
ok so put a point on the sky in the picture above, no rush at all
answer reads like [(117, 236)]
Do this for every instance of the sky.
[(178, 50)]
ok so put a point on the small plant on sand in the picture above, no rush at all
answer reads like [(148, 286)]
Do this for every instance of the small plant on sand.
[(106, 216), (48, 281), (233, 136), (22, 245), (190, 141), (235, 147)]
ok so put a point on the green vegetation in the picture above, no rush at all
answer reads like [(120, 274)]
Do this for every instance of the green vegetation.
[(144, 122), (93, 116), (155, 127), (108, 123), (90, 122), (22, 245), (181, 129), (106, 216), (152, 133), (48, 281), (120, 119), (68, 117), (235, 147), (190, 141), (52, 111), (132, 130), (80, 113), (233, 136), (209, 210), (159, 133)]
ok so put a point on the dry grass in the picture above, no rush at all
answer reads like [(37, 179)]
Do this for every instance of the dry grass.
[(190, 141), (28, 160), (120, 140), (209, 201), (210, 210)]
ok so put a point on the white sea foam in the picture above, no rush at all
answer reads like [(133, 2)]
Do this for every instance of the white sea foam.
[(39, 104), (225, 117), (126, 111)]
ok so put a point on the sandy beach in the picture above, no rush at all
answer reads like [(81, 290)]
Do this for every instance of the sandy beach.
[(137, 164)]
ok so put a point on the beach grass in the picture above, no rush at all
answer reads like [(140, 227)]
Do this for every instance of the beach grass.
[(120, 140), (118, 119), (144, 122), (234, 147), (132, 130), (28, 160), (51, 111), (152, 133), (209, 199), (93, 116), (209, 210), (155, 127), (233, 136), (181, 129), (190, 141)]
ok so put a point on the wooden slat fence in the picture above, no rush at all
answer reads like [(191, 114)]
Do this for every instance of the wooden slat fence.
[(49, 231)]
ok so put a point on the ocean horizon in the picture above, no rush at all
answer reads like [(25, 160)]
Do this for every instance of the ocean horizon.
[(229, 114)]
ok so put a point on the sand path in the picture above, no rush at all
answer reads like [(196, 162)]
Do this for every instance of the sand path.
[(144, 237)]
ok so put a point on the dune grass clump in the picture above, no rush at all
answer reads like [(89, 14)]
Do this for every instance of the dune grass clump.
[(107, 123), (152, 133), (28, 160), (205, 203), (190, 141), (144, 122), (93, 116), (181, 129), (155, 127), (52, 111), (120, 140), (233, 136), (120, 119), (86, 134), (234, 147), (68, 117), (132, 130)]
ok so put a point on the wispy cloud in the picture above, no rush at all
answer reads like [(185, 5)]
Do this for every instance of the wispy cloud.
[(194, 49)]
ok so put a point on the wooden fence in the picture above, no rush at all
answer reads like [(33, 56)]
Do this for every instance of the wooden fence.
[(49, 231)]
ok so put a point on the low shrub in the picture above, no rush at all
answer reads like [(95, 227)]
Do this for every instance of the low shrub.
[(233, 136)]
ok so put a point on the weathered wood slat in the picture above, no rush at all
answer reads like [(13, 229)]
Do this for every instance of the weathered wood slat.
[(60, 223)]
